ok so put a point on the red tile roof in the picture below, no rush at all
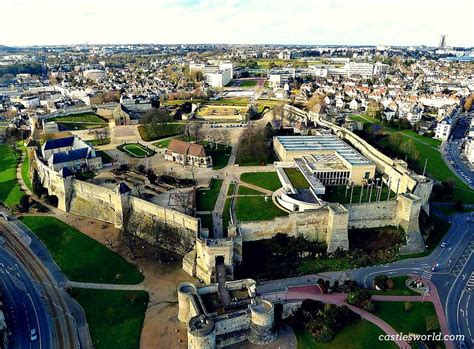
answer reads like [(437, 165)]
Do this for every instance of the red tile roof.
[(186, 148)]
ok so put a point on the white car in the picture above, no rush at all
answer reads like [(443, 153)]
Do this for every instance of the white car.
[(33, 335), (443, 244)]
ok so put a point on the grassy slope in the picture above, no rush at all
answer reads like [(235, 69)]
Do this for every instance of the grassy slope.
[(296, 178), (115, 318), (436, 167), (411, 321), (206, 199), (171, 130), (265, 180), (25, 172), (80, 257), (10, 192)]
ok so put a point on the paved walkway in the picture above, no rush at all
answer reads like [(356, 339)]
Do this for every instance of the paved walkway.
[(298, 293), (75, 284)]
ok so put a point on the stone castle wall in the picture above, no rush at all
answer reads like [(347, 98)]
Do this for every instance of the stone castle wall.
[(372, 215), (332, 222), (108, 205)]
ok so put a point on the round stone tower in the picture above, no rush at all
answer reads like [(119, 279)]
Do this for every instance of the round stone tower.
[(262, 323), (185, 291), (201, 333)]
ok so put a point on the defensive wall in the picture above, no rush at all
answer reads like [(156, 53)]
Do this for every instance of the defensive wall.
[(331, 222), (119, 207)]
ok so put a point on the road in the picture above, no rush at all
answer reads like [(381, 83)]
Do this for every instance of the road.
[(452, 277), (451, 151), (24, 307), (62, 322)]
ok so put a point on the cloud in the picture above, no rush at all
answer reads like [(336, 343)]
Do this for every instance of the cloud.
[(405, 22)]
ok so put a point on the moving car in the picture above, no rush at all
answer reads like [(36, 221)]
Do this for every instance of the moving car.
[(33, 335)]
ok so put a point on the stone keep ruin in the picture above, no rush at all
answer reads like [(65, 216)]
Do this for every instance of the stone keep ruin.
[(220, 315)]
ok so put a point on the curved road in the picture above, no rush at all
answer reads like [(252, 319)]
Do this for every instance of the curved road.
[(62, 322), (24, 306), (453, 278)]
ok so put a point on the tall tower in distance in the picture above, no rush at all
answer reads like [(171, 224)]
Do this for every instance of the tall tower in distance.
[(442, 41)]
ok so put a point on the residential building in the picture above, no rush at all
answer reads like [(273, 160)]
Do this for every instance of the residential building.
[(443, 129)]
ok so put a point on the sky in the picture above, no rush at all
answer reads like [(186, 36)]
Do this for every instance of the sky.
[(362, 22)]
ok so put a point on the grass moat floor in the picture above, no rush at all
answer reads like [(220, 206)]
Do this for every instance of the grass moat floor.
[(80, 257)]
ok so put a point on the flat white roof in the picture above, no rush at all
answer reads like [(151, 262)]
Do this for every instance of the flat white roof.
[(323, 143)]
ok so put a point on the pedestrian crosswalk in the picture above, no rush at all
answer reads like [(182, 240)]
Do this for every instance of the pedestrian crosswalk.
[(457, 267), (426, 274), (470, 283)]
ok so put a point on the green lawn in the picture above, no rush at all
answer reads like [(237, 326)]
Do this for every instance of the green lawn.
[(206, 221), (339, 194), (148, 134), (135, 150), (361, 334), (226, 215), (255, 208), (96, 142), (10, 192), (269, 159), (399, 288), (265, 180), (206, 198), (230, 190), (85, 117), (248, 191), (408, 321), (80, 257), (74, 126), (25, 171), (296, 178), (163, 143), (220, 154), (248, 83), (115, 318)]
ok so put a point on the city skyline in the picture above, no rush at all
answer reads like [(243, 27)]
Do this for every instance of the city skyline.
[(237, 22)]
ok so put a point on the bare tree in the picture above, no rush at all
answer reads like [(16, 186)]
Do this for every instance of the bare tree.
[(110, 239), (185, 200), (193, 131), (225, 137)]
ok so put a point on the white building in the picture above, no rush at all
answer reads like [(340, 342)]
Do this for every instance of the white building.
[(443, 130), (278, 78), (365, 70), (216, 75), (380, 69), (218, 78), (31, 101)]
